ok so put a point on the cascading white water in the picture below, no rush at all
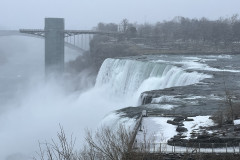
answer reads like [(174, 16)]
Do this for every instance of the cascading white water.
[(129, 78)]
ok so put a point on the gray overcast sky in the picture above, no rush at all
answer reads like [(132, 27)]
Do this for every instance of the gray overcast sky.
[(84, 14)]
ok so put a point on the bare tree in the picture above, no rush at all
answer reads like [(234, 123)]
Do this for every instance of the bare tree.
[(63, 149), (124, 25), (109, 144), (104, 144), (229, 103)]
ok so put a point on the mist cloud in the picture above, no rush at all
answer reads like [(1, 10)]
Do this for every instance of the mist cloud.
[(31, 14)]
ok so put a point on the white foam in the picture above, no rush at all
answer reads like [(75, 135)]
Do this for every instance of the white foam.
[(195, 97), (165, 99), (114, 120), (198, 64), (221, 56), (162, 106)]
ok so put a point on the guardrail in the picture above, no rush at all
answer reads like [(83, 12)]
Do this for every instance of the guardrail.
[(135, 131), (189, 148)]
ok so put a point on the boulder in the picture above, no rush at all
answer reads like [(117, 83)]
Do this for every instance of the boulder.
[(189, 119), (178, 119), (204, 136), (181, 129), (180, 124), (216, 140), (237, 129), (172, 122)]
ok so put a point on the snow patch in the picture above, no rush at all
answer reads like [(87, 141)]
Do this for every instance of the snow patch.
[(203, 121), (237, 121), (157, 129)]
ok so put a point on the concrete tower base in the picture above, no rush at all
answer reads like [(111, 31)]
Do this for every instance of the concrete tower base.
[(54, 46)]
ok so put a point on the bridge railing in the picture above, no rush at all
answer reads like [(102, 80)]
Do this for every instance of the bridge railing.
[(30, 30), (189, 148)]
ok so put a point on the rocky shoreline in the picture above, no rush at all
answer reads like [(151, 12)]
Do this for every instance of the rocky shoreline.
[(220, 136)]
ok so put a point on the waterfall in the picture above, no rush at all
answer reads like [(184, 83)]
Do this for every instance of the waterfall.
[(129, 78), (36, 112)]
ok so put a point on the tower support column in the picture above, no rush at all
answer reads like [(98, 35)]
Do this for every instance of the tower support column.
[(54, 46)]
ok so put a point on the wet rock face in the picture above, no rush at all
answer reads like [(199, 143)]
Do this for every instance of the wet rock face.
[(146, 99)]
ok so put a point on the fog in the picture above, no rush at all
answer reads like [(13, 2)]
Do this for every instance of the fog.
[(32, 108), (16, 14)]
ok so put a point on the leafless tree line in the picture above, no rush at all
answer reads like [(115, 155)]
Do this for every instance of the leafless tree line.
[(224, 30), (104, 144)]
